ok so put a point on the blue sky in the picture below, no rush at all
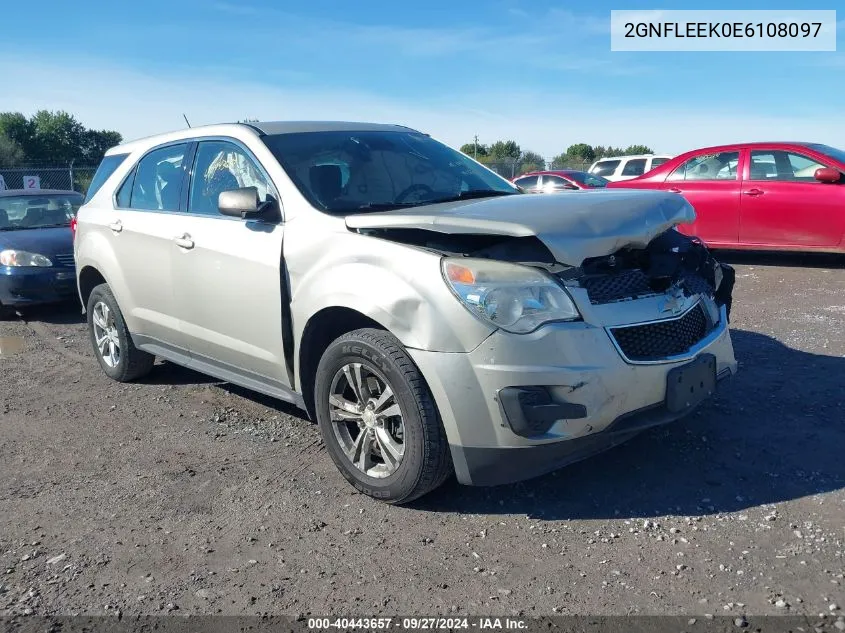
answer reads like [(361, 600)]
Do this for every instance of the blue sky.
[(538, 72)]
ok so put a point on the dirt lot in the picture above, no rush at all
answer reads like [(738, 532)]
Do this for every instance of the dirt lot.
[(188, 495)]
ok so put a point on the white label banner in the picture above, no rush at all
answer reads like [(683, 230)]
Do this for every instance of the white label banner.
[(711, 30)]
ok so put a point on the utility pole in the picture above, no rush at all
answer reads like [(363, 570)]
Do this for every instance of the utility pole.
[(475, 147)]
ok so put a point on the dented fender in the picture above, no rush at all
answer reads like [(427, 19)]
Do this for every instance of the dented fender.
[(400, 288)]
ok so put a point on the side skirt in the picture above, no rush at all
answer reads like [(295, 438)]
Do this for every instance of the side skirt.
[(222, 371)]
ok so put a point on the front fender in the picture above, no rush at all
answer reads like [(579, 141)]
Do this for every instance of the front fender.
[(398, 286)]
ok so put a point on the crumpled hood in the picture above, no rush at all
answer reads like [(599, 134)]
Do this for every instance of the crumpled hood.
[(573, 226)]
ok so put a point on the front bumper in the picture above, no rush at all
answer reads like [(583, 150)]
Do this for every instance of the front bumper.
[(25, 286), (577, 365)]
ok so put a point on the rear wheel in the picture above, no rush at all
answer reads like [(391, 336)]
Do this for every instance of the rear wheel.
[(113, 346), (378, 418)]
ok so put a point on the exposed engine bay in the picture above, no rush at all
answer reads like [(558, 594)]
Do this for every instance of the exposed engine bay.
[(670, 259)]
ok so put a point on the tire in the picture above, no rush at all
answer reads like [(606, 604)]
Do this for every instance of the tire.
[(425, 461), (129, 363), (6, 312)]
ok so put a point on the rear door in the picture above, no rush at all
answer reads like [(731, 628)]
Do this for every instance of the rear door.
[(227, 271), (783, 205), (710, 182), (141, 229)]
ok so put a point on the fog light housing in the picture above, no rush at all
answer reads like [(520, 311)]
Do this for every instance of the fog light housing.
[(531, 412)]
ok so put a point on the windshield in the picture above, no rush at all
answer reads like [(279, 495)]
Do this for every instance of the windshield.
[(38, 211), (835, 154), (588, 180), (345, 172)]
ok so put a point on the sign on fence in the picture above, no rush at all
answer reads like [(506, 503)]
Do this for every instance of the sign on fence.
[(32, 182)]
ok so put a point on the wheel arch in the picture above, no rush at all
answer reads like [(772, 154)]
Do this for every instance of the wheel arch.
[(89, 278), (321, 329)]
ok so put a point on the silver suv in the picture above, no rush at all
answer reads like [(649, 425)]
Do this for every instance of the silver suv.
[(430, 317)]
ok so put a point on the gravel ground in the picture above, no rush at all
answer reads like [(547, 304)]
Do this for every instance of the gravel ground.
[(182, 494)]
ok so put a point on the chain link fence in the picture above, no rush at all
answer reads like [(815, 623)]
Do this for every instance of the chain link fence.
[(512, 168), (68, 177)]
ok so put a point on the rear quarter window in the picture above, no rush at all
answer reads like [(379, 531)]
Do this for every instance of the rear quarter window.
[(107, 167)]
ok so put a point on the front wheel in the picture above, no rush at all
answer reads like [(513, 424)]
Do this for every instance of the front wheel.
[(378, 418), (113, 346)]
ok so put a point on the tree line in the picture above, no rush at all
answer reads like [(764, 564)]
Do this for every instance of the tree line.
[(51, 138), (511, 152)]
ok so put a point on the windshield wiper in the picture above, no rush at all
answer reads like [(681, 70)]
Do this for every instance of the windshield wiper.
[(44, 226), (473, 193), (385, 206)]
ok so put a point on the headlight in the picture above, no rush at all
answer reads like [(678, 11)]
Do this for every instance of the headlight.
[(22, 258), (515, 298)]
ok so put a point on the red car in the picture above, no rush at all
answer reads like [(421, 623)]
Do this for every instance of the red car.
[(765, 196), (558, 180)]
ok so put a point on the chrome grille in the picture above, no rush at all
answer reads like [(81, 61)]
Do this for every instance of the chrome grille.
[(64, 259), (662, 339)]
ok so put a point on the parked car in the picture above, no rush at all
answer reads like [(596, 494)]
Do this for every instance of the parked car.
[(618, 168), (765, 196), (36, 247), (429, 316), (556, 180)]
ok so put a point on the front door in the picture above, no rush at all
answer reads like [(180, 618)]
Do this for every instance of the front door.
[(784, 205), (227, 271)]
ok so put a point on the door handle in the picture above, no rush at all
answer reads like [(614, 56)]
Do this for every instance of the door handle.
[(184, 241), (753, 192), (116, 226), (674, 190)]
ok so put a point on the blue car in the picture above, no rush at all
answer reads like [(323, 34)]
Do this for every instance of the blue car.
[(36, 247)]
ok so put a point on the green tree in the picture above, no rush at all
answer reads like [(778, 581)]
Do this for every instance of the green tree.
[(504, 150), (57, 136), (11, 154), (581, 152), (638, 149), (531, 161), (471, 149), (95, 144), (18, 129)]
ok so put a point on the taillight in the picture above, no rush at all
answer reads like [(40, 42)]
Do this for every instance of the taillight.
[(73, 226)]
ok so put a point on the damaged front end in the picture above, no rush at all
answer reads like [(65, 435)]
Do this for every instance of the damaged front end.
[(671, 263)]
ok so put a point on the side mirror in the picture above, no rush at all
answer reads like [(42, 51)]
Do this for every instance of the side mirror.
[(827, 174), (244, 203)]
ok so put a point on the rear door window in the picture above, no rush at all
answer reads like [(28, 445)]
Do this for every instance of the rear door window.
[(107, 167), (634, 167), (158, 179), (605, 167)]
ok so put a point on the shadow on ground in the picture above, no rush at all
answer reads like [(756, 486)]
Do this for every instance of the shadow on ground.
[(64, 313), (773, 433)]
